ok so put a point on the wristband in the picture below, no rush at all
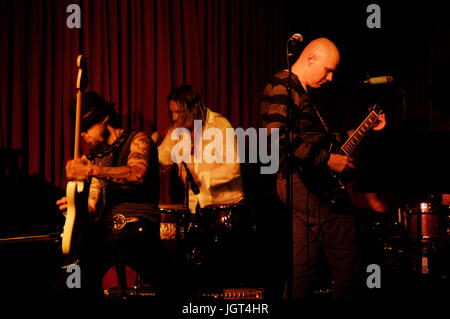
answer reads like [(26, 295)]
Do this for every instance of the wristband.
[(91, 170)]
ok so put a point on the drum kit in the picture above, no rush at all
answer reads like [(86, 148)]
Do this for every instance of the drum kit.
[(213, 247), (423, 221), (212, 243), (220, 237), (421, 230), (210, 249)]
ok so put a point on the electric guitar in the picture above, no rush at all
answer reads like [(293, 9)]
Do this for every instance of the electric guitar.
[(77, 217), (328, 185)]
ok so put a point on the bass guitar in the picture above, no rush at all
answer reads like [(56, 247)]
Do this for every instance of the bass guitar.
[(77, 217)]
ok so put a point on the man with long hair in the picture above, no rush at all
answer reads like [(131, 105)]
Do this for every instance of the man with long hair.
[(219, 182), (218, 250)]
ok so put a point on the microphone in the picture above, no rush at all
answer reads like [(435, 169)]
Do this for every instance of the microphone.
[(194, 185), (379, 80), (296, 38)]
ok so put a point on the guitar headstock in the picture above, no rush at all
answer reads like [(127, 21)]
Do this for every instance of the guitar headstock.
[(82, 78), (376, 108)]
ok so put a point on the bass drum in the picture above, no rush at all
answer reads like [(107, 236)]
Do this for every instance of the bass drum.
[(232, 222), (220, 244)]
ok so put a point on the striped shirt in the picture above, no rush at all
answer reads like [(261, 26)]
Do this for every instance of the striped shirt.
[(309, 143)]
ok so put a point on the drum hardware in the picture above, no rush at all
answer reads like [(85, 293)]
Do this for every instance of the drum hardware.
[(195, 257), (422, 231), (446, 213), (225, 220), (426, 258), (322, 292)]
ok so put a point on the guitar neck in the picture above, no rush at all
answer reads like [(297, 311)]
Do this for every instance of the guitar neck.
[(81, 86), (353, 141), (76, 152)]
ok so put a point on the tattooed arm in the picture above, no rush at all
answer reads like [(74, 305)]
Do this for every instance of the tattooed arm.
[(137, 164), (133, 173), (76, 169), (94, 195)]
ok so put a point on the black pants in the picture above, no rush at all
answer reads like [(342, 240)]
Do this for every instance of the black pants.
[(316, 227), (137, 245)]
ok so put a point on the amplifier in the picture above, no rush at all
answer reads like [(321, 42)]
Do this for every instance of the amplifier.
[(232, 293), (116, 293), (211, 293)]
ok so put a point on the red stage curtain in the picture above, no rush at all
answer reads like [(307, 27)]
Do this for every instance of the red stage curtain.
[(137, 52)]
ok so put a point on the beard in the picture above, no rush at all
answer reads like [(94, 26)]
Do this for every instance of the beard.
[(97, 143), (95, 146)]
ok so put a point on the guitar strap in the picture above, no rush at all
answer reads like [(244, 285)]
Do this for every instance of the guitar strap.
[(298, 169), (324, 124), (332, 137)]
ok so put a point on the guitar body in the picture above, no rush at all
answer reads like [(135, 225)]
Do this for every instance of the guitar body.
[(329, 186), (77, 218)]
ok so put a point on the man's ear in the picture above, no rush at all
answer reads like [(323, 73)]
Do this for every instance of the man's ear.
[(311, 59)]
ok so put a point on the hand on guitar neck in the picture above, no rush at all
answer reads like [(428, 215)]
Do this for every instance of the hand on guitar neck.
[(340, 163), (79, 169), (380, 123)]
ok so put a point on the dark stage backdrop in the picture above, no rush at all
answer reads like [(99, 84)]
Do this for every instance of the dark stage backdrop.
[(137, 52), (227, 49)]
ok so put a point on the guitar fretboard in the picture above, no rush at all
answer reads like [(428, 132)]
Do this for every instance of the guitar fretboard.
[(353, 141)]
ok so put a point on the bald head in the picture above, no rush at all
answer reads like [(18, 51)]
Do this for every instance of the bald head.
[(317, 63), (321, 46)]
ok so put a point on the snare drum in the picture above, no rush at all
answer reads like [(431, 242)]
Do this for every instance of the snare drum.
[(423, 221)]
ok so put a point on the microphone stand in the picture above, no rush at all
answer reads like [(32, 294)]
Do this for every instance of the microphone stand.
[(403, 118), (186, 192), (289, 160)]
